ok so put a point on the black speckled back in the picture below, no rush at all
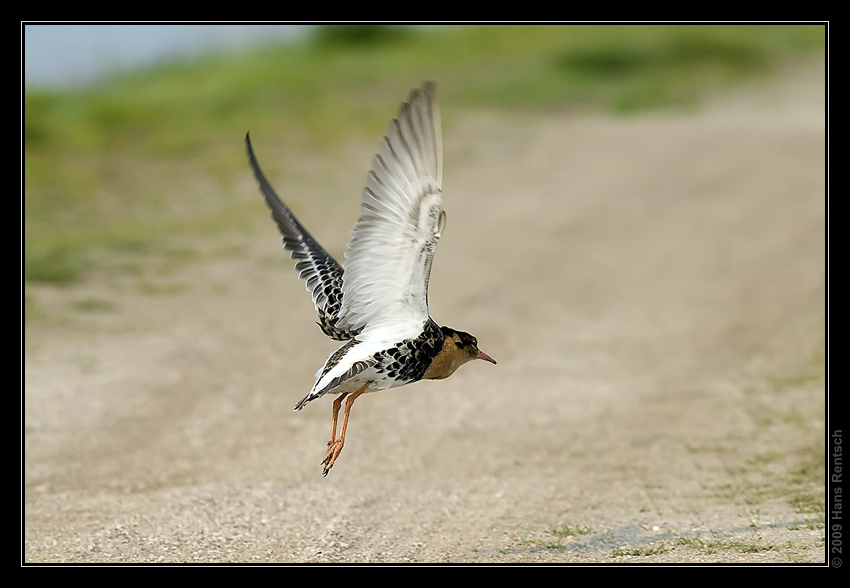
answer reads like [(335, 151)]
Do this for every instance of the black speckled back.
[(409, 360)]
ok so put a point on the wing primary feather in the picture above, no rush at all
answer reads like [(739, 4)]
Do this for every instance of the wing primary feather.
[(388, 261), (384, 280), (320, 271)]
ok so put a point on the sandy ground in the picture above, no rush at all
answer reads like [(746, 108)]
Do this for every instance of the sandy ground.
[(652, 287)]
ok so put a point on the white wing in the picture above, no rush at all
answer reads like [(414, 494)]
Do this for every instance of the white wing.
[(388, 262)]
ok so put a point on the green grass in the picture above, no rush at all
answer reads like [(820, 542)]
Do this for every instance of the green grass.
[(712, 546), (559, 536), (644, 551), (786, 409), (567, 531), (810, 524), (93, 305), (563, 533), (143, 157)]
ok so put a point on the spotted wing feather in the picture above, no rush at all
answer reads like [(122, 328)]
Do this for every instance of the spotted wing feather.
[(321, 272)]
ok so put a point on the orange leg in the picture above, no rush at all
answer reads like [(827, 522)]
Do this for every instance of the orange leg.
[(337, 406), (335, 444)]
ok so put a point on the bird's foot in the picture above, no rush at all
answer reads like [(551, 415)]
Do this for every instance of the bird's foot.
[(334, 449)]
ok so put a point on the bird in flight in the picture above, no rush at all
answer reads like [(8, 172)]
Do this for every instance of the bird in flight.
[(376, 302)]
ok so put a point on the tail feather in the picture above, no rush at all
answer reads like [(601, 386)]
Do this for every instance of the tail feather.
[(356, 368)]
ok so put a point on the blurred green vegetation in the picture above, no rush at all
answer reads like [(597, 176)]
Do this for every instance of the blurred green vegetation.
[(132, 161)]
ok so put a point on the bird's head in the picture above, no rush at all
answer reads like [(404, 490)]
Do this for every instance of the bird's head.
[(458, 348), (465, 345)]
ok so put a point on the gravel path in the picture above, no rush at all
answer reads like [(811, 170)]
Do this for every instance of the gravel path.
[(652, 287)]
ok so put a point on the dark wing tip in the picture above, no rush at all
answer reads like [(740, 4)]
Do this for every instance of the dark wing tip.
[(283, 217), (248, 147)]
